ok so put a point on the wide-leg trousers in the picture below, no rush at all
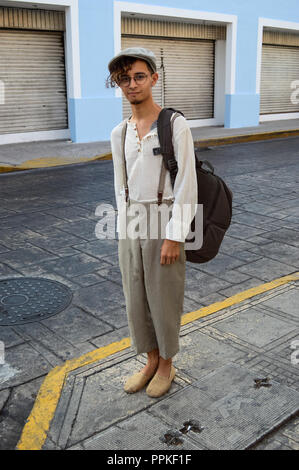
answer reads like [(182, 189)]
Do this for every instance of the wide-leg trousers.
[(154, 293)]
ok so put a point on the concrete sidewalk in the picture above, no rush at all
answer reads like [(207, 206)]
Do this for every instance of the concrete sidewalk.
[(24, 156), (226, 393)]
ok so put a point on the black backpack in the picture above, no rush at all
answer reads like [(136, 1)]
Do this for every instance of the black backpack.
[(213, 193)]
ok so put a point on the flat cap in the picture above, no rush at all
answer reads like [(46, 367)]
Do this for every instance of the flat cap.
[(138, 53)]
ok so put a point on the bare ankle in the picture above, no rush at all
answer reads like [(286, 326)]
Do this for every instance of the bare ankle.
[(153, 356), (165, 362)]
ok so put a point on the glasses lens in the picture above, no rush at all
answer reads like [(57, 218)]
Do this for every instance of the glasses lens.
[(140, 77), (124, 80)]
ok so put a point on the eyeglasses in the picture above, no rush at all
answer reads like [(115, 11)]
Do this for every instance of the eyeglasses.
[(125, 80)]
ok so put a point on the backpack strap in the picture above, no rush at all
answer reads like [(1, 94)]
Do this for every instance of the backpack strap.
[(124, 166), (165, 132)]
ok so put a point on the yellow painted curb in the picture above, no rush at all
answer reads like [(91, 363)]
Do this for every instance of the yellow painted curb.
[(46, 162), (243, 138), (38, 423), (237, 298)]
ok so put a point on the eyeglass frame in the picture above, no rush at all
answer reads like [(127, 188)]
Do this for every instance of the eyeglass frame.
[(134, 78)]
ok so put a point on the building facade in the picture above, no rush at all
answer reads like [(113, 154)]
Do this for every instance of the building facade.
[(233, 64)]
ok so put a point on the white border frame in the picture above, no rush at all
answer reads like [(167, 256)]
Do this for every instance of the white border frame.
[(167, 12), (72, 63), (275, 24)]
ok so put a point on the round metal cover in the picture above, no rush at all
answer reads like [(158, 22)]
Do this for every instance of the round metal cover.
[(30, 299)]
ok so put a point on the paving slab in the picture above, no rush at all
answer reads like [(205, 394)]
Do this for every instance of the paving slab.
[(150, 431), (256, 326), (233, 413), (287, 302)]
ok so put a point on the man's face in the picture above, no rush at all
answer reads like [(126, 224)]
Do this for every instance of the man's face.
[(139, 90)]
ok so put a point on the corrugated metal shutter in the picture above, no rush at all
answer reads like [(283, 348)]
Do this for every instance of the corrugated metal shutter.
[(186, 69), (280, 66), (171, 29), (189, 77), (25, 18), (32, 68), (280, 38)]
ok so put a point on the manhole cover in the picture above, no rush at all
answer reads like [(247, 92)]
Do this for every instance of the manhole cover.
[(25, 300)]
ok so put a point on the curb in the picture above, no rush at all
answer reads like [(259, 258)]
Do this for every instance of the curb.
[(48, 162), (38, 423), (242, 138)]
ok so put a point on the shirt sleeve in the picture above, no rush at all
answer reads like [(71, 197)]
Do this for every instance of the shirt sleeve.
[(185, 187)]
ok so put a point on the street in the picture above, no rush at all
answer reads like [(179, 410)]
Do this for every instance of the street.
[(47, 231)]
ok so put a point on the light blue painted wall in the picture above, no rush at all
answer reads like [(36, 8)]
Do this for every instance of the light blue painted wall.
[(94, 115)]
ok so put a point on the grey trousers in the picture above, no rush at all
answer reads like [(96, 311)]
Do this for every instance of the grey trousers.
[(154, 293)]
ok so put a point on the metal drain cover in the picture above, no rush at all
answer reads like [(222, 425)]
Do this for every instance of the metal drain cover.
[(30, 299)]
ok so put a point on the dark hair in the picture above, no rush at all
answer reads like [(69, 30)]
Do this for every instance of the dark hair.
[(123, 65)]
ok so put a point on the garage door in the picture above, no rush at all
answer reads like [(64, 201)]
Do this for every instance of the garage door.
[(186, 74), (280, 67), (32, 73)]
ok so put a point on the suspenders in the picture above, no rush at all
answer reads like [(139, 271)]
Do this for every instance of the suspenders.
[(124, 166)]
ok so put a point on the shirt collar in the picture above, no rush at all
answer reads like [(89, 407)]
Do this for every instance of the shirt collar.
[(154, 125)]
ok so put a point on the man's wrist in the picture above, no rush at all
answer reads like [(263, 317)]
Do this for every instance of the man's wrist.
[(174, 242)]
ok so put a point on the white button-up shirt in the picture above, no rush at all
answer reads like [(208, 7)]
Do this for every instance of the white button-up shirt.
[(143, 170)]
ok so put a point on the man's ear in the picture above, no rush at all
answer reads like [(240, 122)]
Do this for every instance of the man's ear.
[(155, 78)]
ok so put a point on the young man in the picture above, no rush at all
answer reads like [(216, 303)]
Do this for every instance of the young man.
[(153, 269)]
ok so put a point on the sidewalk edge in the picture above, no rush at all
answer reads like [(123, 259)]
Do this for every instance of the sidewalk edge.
[(243, 138), (48, 162)]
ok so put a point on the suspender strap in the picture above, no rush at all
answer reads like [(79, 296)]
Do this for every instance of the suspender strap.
[(124, 166), (161, 183), (163, 167)]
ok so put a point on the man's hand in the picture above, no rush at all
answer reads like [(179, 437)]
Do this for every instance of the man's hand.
[(170, 252)]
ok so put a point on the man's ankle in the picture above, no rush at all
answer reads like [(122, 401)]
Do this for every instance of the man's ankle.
[(153, 356)]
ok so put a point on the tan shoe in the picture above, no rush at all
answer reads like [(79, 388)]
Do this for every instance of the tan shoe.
[(159, 384), (137, 381)]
